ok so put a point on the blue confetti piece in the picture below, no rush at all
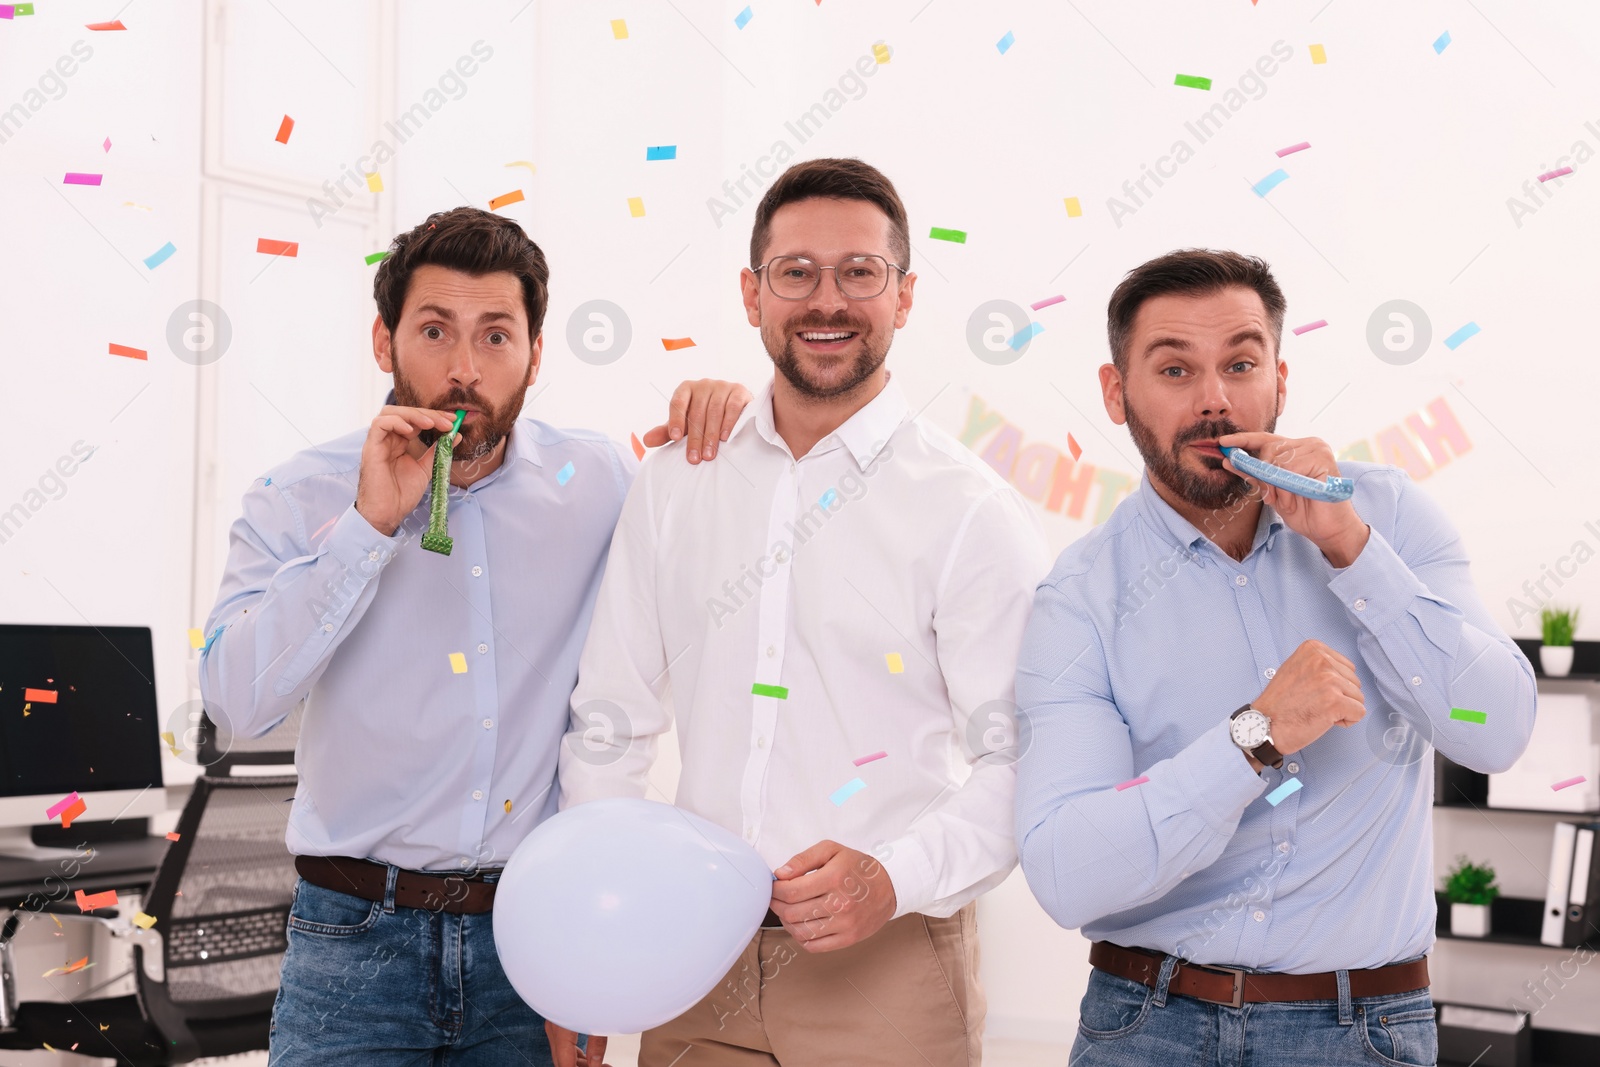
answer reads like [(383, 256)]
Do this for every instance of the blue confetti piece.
[(214, 635), (1284, 792), (1024, 335), (1005, 43), (741, 18), (267, 482), (160, 255), (1442, 43), (564, 475), (846, 791), (1270, 182), (1454, 341), (827, 499), (662, 151)]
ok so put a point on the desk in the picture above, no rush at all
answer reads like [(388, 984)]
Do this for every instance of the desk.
[(113, 865)]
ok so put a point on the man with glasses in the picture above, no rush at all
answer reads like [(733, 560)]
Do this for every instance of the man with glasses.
[(836, 606)]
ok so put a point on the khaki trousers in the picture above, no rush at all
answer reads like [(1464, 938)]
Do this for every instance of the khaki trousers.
[(907, 995)]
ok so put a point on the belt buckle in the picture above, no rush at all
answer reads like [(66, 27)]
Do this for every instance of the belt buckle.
[(1238, 982)]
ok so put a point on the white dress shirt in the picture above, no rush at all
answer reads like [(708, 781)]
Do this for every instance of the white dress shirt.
[(883, 580)]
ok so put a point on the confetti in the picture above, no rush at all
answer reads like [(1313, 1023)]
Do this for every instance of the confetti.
[(742, 18), (61, 805), (1562, 173), (1131, 782), (377, 257), (270, 247), (665, 151), (636, 207), (458, 663), (826, 499), (1308, 327), (285, 128), (619, 29), (172, 742), (1024, 335), (131, 353), (638, 446), (957, 236), (1072, 446), (113, 25), (1047, 301), (672, 344), (513, 197), (77, 965), (159, 256), (846, 791), (1192, 81), (39, 696), (1442, 43), (1270, 182), (1318, 54), (508, 807), (74, 178), (524, 163), (1464, 715), (197, 637), (1292, 149), (141, 207), (564, 475), (1074, 209), (374, 183), (869, 759), (1570, 782), (23, 9), (7, 11), (92, 901), (1005, 43), (78, 808), (1455, 340), (143, 921), (762, 690), (1284, 792), (896, 666), (106, 144), (881, 53), (173, 835)]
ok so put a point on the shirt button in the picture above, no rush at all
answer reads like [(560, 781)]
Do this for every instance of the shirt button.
[(488, 724), (463, 861), (482, 649), (374, 556), (1283, 846), (1259, 916), (1270, 671), (1293, 768), (477, 794), (1361, 604), (772, 650), (327, 627), (477, 572), (761, 742), (1416, 680), (749, 834), (1240, 579)]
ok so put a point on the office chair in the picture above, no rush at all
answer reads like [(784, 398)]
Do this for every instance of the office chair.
[(221, 903), (219, 752)]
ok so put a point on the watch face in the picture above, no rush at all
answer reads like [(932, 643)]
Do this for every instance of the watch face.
[(1250, 729)]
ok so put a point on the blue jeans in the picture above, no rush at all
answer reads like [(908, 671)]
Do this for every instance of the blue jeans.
[(372, 983), (1127, 1024)]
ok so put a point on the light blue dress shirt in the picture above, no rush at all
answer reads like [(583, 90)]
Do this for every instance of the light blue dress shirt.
[(403, 759), (1146, 637)]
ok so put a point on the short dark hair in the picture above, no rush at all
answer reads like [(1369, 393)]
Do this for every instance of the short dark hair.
[(1195, 271), (835, 179), (467, 239)]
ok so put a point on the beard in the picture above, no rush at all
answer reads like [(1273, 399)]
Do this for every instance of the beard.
[(783, 349), (1214, 489), (480, 437)]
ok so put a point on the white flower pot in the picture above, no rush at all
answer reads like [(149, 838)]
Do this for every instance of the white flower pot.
[(1469, 920), (1556, 660)]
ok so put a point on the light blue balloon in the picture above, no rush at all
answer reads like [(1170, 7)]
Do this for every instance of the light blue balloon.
[(618, 915)]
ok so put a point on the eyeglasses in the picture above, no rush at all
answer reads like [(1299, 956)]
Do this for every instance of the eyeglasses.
[(858, 277)]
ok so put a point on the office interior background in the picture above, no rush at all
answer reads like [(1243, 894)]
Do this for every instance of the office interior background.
[(1396, 164)]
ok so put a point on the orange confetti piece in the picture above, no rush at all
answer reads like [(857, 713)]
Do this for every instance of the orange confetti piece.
[(39, 696), (638, 446), (114, 25), (278, 248), (90, 901), (68, 968), (672, 344), (285, 128), (513, 197), (172, 835), (131, 353), (1072, 445), (78, 808)]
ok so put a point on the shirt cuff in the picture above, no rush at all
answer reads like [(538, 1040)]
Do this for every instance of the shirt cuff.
[(1217, 778), (1378, 586), (911, 873), (357, 544)]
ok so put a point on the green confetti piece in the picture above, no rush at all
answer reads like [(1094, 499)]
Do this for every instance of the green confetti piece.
[(437, 539), (770, 691), (941, 234), (1463, 715), (1192, 81), (377, 257)]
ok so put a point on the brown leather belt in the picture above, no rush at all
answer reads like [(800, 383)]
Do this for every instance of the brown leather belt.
[(1234, 987), (456, 894)]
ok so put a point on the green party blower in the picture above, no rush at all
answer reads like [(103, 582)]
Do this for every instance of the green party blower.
[(437, 539)]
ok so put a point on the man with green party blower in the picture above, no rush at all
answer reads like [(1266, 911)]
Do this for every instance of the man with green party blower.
[(435, 683)]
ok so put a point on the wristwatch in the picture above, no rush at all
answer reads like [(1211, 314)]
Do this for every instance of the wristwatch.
[(1252, 731)]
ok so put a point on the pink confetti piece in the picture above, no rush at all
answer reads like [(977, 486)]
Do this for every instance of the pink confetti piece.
[(75, 178), (1047, 301), (1308, 327), (1301, 147), (61, 805), (107, 144), (869, 759), (1562, 173), (1072, 446), (1570, 781), (1130, 783)]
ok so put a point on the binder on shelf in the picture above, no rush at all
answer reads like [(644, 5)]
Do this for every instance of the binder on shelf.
[(1554, 927), (1583, 898)]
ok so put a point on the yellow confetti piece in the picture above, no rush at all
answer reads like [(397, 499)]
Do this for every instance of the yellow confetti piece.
[(104, 1027), (197, 638), (1074, 209), (508, 807), (1318, 54), (880, 52), (458, 663), (172, 742), (619, 29), (143, 921), (636, 207), (894, 662), (374, 183), (58, 923)]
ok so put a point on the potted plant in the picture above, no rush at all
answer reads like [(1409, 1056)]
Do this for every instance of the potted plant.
[(1555, 655), (1470, 887)]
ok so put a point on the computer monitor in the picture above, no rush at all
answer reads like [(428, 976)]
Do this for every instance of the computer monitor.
[(78, 714)]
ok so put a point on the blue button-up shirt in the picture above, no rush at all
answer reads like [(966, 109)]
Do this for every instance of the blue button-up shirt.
[(1146, 637), (436, 687)]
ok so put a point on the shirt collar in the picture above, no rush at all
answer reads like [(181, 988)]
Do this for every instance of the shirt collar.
[(1182, 533), (865, 433)]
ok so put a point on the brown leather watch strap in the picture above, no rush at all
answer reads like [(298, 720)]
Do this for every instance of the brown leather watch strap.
[(456, 894), (1232, 986)]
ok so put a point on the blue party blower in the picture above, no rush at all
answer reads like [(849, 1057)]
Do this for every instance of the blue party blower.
[(1332, 490)]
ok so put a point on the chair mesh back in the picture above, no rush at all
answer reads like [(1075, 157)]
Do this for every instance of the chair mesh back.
[(226, 934), (220, 750)]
